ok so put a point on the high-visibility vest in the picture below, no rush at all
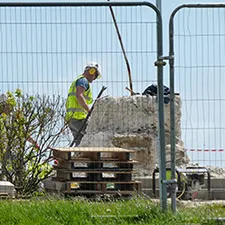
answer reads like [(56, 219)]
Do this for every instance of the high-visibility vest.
[(73, 109)]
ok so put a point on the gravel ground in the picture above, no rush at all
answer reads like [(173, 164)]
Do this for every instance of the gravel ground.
[(192, 203), (197, 203)]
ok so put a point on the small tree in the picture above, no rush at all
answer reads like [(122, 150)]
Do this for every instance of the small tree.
[(29, 127)]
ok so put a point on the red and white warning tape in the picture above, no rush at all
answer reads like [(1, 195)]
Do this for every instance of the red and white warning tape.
[(204, 150)]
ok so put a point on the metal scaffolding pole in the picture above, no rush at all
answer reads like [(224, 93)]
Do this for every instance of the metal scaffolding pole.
[(173, 159), (162, 160), (159, 5)]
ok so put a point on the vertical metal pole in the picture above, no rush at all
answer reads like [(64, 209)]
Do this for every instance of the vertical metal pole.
[(172, 115), (161, 129), (159, 5), (162, 153), (172, 127)]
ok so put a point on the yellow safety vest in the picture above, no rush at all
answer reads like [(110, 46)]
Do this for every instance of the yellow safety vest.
[(73, 109)]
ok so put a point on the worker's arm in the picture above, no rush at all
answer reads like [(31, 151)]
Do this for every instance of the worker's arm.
[(80, 98)]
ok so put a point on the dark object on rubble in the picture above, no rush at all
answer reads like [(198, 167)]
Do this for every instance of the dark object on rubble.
[(152, 91)]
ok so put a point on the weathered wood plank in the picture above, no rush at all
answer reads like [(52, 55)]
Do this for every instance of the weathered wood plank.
[(92, 149), (108, 160), (106, 170), (116, 192), (105, 182)]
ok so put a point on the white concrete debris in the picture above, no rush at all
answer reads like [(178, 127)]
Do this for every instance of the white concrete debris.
[(131, 122), (217, 172)]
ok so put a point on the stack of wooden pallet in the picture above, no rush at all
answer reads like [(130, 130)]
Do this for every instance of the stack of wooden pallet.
[(90, 171)]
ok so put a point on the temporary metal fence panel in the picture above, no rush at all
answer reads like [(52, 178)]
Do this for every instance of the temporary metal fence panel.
[(45, 46), (197, 67)]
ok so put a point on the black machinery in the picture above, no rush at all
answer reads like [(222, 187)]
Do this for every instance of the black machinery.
[(190, 181)]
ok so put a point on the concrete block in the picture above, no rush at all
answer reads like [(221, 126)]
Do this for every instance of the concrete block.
[(216, 183), (7, 188), (146, 181), (54, 185), (217, 194)]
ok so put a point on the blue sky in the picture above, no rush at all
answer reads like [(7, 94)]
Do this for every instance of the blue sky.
[(167, 7)]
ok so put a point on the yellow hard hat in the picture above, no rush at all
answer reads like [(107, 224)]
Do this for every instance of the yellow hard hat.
[(93, 68)]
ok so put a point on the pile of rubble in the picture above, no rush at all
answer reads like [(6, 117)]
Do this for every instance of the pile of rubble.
[(132, 122)]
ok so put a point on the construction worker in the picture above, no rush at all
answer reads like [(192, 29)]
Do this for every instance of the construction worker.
[(79, 98)]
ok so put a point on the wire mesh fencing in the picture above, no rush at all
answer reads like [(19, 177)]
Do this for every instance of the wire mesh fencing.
[(199, 67), (44, 47)]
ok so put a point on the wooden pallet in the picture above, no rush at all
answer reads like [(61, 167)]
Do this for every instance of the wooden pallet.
[(91, 170)]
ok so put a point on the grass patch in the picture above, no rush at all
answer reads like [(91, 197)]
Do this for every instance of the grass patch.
[(137, 210)]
